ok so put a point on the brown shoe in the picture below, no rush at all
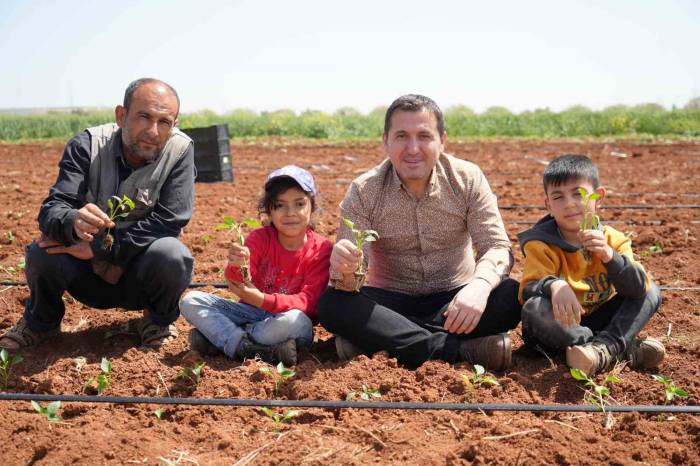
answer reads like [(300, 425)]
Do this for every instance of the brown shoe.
[(645, 353), (590, 358), (284, 352), (21, 336), (492, 352), (346, 349)]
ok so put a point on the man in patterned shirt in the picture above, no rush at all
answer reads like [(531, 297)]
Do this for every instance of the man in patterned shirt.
[(427, 296)]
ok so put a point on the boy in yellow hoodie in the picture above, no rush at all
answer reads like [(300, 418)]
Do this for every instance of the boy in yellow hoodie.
[(582, 290)]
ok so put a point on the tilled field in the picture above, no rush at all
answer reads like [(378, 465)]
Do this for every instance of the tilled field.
[(655, 189)]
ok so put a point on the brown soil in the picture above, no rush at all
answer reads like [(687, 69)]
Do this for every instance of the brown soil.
[(652, 174)]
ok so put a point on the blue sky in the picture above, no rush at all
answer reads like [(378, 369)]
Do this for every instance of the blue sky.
[(323, 55)]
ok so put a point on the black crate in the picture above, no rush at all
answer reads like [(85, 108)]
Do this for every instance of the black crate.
[(212, 153)]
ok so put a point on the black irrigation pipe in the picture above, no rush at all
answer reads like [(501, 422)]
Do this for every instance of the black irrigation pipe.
[(327, 404), (225, 285), (617, 222), (611, 207)]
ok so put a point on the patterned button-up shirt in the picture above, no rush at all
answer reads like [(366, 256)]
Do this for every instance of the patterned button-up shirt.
[(428, 245)]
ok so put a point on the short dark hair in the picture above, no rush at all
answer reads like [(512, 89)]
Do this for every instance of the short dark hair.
[(570, 167), (135, 85), (277, 186), (414, 103)]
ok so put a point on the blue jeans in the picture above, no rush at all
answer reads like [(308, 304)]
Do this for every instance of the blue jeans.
[(225, 322)]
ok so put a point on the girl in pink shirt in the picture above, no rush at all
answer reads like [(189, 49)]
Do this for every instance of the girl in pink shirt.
[(289, 268)]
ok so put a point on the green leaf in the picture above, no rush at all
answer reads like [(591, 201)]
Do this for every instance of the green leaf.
[(348, 223), (106, 366), (601, 390), (479, 369), (110, 205), (583, 193), (593, 196), (16, 359), (661, 378), (290, 414), (350, 396), (578, 373), (4, 356), (37, 407), (680, 392), (669, 395), (252, 223), (52, 408), (490, 380), (268, 411), (375, 394), (159, 414), (612, 379), (364, 396)]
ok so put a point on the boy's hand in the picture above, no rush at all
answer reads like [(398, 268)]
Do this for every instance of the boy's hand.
[(237, 254), (247, 293), (566, 308), (594, 241)]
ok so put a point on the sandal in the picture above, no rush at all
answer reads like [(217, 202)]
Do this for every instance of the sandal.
[(154, 335), (25, 337)]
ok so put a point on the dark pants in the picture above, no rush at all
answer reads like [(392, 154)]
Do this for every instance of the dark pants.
[(411, 328), (153, 280), (616, 323)]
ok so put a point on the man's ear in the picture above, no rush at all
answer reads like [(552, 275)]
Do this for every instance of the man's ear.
[(601, 192), (120, 115)]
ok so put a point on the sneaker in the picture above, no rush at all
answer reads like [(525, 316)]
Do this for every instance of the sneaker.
[(346, 349), (590, 358), (645, 353), (492, 352), (285, 352), (201, 344)]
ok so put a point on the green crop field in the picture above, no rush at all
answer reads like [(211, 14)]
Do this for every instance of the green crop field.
[(347, 123)]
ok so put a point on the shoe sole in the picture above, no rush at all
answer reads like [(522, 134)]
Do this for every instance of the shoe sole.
[(508, 356), (652, 346)]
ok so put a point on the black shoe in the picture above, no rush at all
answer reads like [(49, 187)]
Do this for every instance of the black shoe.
[(200, 344), (285, 352), (492, 352)]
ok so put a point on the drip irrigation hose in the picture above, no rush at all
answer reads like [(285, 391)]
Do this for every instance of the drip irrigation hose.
[(327, 404), (225, 285)]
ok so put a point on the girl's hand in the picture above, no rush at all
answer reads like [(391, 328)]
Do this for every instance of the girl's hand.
[(594, 241), (238, 255), (247, 293)]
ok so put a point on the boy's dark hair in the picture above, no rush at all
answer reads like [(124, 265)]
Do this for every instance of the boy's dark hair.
[(277, 186), (570, 167), (414, 103)]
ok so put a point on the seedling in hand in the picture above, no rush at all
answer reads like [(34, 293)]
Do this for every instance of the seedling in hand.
[(366, 393), (237, 228), (279, 419), (279, 376), (672, 390), (118, 208), (361, 237), (192, 374), (102, 382), (590, 220), (479, 377), (50, 411), (7, 361)]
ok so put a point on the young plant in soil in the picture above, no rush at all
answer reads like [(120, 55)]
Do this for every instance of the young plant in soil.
[(280, 375), (50, 412), (672, 390), (101, 382), (598, 395), (361, 237), (192, 374), (118, 208), (7, 362), (279, 419), (479, 377), (159, 413), (237, 229), (590, 220), (366, 393)]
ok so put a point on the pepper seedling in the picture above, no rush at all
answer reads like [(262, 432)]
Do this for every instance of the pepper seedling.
[(672, 390), (118, 208), (598, 394), (479, 377), (366, 393), (50, 412), (229, 224), (279, 376), (361, 237), (7, 361), (101, 382), (279, 419), (192, 374), (590, 220)]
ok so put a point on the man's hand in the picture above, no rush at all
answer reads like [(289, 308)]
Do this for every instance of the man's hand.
[(465, 311), (566, 308), (81, 250), (237, 254), (247, 293), (345, 257), (594, 242), (89, 221)]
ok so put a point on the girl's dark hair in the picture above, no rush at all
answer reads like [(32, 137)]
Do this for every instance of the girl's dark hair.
[(274, 188), (570, 167)]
